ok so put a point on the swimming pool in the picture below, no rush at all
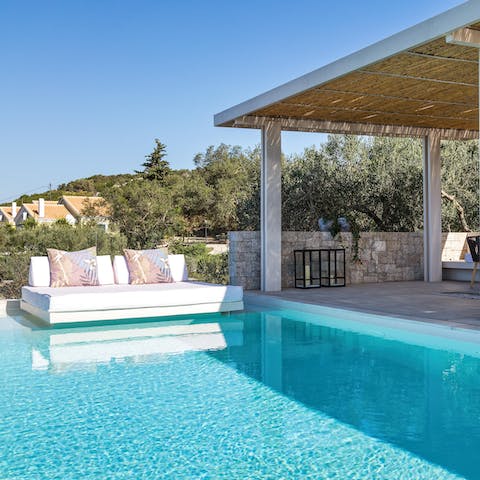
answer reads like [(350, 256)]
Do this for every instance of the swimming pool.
[(260, 394)]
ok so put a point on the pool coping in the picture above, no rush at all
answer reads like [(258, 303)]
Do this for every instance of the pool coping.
[(410, 325)]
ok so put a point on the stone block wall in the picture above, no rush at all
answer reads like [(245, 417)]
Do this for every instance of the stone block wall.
[(383, 257), (244, 259), (454, 246)]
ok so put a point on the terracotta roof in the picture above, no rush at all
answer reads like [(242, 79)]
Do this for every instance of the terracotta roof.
[(46, 202), (7, 211), (77, 204), (53, 211)]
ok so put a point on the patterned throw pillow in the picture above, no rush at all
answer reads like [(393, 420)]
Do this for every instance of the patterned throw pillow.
[(69, 269), (148, 266)]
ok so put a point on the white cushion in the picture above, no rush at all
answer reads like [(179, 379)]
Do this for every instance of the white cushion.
[(105, 270), (120, 269), (39, 273), (178, 267), (108, 297)]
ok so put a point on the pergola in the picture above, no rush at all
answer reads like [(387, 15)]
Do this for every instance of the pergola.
[(422, 82)]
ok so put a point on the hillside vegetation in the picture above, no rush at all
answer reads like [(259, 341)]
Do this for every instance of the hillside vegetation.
[(94, 185)]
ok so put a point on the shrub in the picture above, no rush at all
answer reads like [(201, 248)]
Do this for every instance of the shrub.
[(13, 274), (201, 264), (18, 245), (209, 268), (188, 249)]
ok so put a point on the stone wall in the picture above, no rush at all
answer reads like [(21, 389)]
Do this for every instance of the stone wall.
[(382, 256), (455, 246), (244, 259)]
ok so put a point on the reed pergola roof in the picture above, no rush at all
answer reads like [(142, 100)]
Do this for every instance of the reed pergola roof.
[(407, 84)]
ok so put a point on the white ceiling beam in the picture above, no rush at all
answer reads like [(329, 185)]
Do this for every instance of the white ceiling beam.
[(325, 126), (442, 58), (467, 37), (373, 112), (422, 101), (413, 77)]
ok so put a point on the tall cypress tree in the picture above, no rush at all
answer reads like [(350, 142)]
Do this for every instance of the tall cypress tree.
[(155, 166)]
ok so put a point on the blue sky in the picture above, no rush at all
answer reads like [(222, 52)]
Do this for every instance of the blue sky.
[(86, 85)]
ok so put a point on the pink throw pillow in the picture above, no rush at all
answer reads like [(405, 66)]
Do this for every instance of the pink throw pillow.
[(148, 266), (70, 269)]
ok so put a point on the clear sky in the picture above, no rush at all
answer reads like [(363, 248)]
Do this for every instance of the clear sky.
[(86, 85)]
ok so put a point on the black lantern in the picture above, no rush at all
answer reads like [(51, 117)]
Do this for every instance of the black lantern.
[(316, 268)]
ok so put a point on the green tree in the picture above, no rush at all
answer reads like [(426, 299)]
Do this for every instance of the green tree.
[(375, 183), (155, 166), (460, 189), (193, 197), (230, 174), (144, 212), (387, 185)]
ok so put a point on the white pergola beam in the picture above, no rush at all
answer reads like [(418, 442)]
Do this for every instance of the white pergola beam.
[(271, 209), (467, 37), (326, 126), (432, 209), (452, 20)]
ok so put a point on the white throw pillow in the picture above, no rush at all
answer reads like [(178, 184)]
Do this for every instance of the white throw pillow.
[(121, 270), (39, 273), (178, 267), (105, 270)]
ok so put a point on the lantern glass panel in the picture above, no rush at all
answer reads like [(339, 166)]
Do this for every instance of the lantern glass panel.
[(307, 268)]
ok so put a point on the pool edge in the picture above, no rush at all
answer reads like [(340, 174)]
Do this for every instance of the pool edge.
[(419, 326)]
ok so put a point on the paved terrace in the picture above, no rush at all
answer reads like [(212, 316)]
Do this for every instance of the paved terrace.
[(446, 303)]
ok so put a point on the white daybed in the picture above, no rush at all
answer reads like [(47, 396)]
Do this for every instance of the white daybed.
[(115, 299)]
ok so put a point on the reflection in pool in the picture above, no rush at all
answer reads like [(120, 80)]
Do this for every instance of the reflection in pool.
[(77, 348)]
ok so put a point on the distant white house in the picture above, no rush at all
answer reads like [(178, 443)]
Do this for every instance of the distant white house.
[(85, 208), (43, 211), (73, 209)]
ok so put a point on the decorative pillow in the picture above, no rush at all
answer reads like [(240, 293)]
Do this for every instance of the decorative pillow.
[(148, 266), (69, 269)]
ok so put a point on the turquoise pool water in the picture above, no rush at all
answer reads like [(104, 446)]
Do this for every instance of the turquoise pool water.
[(251, 395)]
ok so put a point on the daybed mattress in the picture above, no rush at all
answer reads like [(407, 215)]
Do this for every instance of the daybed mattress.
[(109, 297)]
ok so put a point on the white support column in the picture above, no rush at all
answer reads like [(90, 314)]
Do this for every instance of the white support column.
[(432, 209), (271, 209)]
